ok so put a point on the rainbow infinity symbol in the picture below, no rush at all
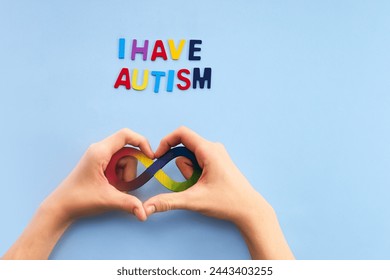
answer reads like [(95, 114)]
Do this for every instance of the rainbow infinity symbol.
[(153, 168)]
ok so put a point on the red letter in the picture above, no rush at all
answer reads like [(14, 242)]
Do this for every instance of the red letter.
[(161, 53), (183, 79), (123, 82)]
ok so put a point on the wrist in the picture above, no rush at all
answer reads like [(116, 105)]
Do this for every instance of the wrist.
[(256, 212), (54, 213), (261, 230)]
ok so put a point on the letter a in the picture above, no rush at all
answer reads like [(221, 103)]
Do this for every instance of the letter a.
[(123, 79), (159, 53)]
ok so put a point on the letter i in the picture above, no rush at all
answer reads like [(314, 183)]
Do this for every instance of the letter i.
[(121, 48), (171, 76)]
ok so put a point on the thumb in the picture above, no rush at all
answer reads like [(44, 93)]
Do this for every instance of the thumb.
[(165, 202), (128, 203)]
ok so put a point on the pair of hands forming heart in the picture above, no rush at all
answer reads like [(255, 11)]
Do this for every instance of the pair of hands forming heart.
[(221, 192)]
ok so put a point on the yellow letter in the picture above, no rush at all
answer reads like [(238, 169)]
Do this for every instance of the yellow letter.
[(176, 52), (135, 79)]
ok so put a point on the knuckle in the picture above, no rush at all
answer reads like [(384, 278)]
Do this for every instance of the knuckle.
[(128, 203), (164, 141), (164, 205), (219, 146), (96, 151), (207, 146), (125, 131), (142, 139), (182, 129), (123, 202), (210, 149), (203, 150), (93, 149), (203, 147)]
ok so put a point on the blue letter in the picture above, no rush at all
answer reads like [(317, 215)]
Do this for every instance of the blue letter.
[(158, 75), (193, 49), (171, 76), (121, 50), (197, 78)]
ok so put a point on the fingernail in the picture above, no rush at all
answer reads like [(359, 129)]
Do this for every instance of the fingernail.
[(150, 210), (135, 211)]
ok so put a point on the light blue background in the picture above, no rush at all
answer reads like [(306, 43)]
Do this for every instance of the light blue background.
[(299, 96)]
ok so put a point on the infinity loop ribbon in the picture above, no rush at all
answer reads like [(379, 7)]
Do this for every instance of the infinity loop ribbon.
[(153, 168)]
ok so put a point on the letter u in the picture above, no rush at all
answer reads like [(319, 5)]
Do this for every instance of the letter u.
[(134, 80)]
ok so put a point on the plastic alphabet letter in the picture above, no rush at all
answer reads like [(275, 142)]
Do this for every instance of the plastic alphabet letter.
[(171, 76), (176, 52), (143, 50), (187, 82), (193, 49), (123, 79), (159, 53), (158, 75), (121, 48), (144, 80), (197, 78)]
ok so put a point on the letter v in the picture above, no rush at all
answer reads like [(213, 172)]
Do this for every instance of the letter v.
[(176, 52)]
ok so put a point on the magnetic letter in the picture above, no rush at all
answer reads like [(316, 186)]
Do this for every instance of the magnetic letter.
[(171, 76), (176, 52), (123, 79), (156, 53), (193, 49), (144, 80), (187, 82), (121, 48), (158, 75), (143, 50), (197, 78)]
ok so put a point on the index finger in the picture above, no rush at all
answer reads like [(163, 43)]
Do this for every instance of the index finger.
[(182, 135), (126, 136)]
